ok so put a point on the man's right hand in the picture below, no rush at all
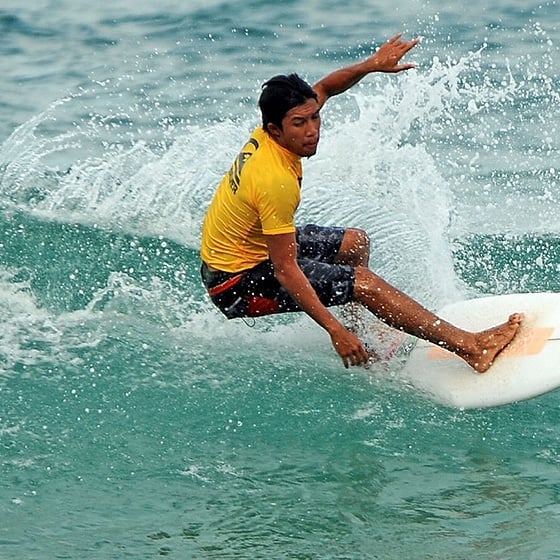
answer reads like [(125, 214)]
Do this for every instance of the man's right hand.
[(283, 248), (349, 347)]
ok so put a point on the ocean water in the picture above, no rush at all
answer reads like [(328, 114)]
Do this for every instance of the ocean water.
[(135, 421)]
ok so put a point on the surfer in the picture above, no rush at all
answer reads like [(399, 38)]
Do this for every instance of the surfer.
[(255, 261)]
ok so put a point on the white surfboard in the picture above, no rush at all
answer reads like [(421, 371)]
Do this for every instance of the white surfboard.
[(528, 367)]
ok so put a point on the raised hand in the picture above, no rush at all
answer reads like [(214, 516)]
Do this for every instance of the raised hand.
[(388, 56)]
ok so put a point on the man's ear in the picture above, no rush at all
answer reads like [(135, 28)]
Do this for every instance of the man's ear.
[(273, 130)]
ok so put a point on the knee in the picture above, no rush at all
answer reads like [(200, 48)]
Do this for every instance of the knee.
[(360, 239), (368, 284), (355, 247)]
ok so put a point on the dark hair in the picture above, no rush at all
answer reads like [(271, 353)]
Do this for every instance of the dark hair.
[(280, 94)]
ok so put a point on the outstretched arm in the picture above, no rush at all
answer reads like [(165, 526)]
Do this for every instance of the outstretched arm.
[(386, 59), (282, 249)]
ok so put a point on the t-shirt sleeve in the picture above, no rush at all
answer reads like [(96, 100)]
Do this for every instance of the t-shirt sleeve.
[(277, 204)]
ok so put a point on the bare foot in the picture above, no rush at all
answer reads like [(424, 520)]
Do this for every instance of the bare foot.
[(492, 341)]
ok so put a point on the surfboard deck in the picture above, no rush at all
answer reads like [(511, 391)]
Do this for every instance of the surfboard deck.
[(528, 367)]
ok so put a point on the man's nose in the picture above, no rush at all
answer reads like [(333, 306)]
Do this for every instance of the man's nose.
[(312, 128)]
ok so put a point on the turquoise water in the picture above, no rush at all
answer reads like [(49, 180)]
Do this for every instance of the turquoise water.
[(135, 422)]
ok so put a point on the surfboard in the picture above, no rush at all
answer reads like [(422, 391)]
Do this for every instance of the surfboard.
[(528, 367)]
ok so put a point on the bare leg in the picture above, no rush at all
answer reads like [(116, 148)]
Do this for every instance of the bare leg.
[(354, 249), (402, 312)]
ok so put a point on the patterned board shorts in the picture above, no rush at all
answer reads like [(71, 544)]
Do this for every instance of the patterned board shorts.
[(256, 291)]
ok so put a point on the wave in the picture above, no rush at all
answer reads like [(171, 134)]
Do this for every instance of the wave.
[(100, 216)]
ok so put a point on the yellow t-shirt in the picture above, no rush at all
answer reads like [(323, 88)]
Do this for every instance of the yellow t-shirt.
[(258, 196)]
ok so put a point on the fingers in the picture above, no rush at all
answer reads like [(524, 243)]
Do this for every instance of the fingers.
[(349, 348), (402, 47), (407, 45), (388, 56), (401, 67), (357, 358)]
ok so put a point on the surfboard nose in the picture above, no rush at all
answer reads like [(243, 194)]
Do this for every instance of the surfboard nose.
[(526, 368)]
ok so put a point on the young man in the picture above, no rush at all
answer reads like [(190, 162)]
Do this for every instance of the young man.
[(255, 260)]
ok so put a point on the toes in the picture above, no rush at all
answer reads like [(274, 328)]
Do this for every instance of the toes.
[(516, 318)]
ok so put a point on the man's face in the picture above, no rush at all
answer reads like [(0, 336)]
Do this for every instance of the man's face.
[(300, 129)]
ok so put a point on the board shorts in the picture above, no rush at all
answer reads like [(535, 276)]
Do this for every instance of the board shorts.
[(256, 291)]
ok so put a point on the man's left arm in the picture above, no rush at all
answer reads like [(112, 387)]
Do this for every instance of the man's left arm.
[(386, 59)]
